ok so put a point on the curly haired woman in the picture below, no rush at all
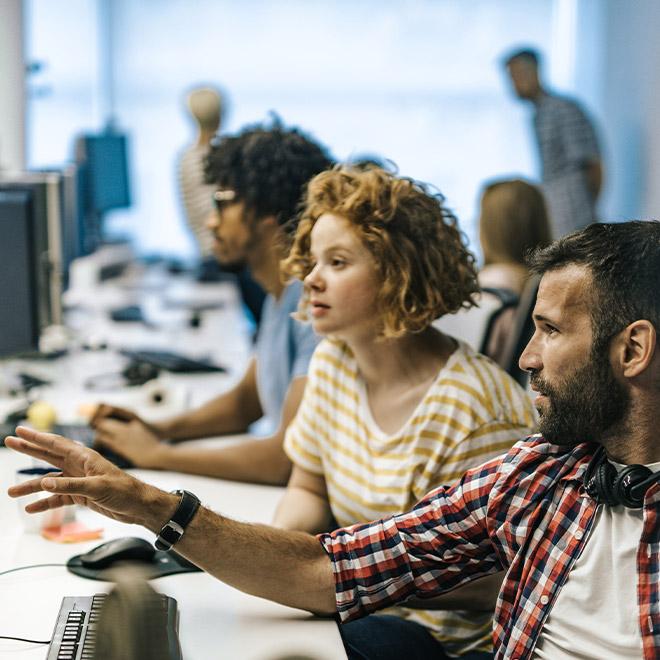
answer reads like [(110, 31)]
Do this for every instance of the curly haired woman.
[(392, 407)]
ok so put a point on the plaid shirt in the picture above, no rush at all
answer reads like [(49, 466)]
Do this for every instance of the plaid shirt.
[(525, 512)]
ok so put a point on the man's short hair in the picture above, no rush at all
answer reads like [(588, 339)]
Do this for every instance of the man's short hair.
[(267, 167), (624, 261), (529, 55)]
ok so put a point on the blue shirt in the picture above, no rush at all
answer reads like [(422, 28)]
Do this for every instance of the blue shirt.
[(284, 348)]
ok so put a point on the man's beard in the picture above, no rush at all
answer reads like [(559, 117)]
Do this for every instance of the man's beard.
[(584, 406)]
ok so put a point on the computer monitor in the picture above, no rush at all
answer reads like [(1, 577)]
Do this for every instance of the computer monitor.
[(47, 209), (18, 286), (103, 181), (72, 220), (107, 168)]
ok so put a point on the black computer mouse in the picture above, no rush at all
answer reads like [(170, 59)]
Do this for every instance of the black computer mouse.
[(129, 548)]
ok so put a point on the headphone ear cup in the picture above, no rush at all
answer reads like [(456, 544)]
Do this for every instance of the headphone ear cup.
[(604, 477), (626, 480)]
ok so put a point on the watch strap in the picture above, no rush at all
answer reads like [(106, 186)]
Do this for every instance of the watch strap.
[(172, 531)]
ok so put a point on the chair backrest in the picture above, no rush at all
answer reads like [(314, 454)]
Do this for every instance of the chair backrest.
[(473, 325), (521, 332)]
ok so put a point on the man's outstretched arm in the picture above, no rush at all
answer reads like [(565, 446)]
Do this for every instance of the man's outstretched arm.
[(288, 567)]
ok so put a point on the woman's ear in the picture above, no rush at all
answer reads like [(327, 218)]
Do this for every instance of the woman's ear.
[(635, 348)]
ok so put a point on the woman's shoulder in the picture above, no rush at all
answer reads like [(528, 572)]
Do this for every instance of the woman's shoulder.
[(468, 370), (334, 354)]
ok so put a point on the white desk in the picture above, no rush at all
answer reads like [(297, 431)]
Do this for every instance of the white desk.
[(222, 336), (216, 621)]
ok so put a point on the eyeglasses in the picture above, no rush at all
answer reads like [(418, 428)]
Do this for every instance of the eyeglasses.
[(221, 197)]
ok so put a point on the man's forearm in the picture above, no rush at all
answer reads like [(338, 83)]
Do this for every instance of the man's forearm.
[(261, 461), (231, 412), (288, 567), (220, 416)]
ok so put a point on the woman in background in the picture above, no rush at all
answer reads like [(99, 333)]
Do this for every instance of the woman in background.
[(513, 220)]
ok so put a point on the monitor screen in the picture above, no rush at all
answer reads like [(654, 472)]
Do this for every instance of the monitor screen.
[(18, 285), (72, 222), (45, 189), (106, 165)]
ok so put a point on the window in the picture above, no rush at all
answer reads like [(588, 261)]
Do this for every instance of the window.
[(415, 81)]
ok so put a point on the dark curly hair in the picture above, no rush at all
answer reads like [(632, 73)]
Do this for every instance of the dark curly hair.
[(267, 167), (423, 264)]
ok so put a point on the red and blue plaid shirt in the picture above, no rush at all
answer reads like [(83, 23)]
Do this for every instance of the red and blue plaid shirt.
[(526, 512)]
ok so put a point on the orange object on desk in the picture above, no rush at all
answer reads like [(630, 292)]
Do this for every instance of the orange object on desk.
[(72, 532)]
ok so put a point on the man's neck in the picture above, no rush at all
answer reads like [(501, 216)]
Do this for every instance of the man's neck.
[(635, 440), (265, 269), (539, 96)]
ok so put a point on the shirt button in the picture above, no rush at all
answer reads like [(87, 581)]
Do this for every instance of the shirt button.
[(579, 534), (544, 600)]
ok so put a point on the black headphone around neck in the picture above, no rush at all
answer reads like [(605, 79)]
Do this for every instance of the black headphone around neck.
[(627, 487)]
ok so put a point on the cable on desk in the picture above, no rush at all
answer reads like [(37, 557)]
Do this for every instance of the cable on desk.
[(22, 639), (23, 568)]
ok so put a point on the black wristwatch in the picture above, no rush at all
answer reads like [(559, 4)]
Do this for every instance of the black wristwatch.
[(173, 530)]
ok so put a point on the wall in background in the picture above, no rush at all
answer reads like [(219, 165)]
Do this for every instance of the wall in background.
[(12, 86), (417, 81), (631, 108)]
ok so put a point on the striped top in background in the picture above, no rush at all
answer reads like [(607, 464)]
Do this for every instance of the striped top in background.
[(197, 196), (472, 412)]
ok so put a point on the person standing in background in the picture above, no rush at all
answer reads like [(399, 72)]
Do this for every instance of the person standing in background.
[(206, 107), (571, 165)]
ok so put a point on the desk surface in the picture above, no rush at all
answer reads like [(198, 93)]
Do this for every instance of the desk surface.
[(223, 336), (216, 620)]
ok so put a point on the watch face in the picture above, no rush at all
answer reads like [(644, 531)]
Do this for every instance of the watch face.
[(162, 545), (169, 535)]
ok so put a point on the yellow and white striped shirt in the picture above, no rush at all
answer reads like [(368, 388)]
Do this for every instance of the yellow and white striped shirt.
[(472, 412)]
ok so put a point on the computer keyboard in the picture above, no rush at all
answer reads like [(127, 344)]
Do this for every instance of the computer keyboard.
[(170, 361), (75, 631), (129, 313)]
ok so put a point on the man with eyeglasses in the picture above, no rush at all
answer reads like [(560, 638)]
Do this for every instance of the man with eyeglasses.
[(260, 175)]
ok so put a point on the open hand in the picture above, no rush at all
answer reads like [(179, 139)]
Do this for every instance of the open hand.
[(85, 478)]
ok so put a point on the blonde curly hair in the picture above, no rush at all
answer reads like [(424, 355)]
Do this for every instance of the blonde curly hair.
[(421, 257)]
